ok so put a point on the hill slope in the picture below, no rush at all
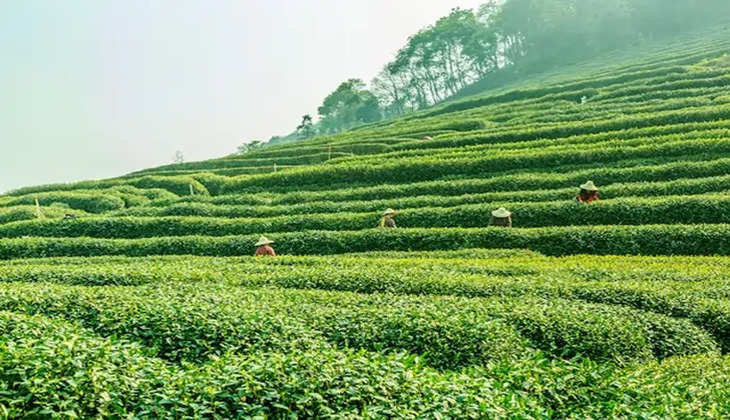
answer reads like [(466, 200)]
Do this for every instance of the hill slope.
[(147, 302), (651, 130)]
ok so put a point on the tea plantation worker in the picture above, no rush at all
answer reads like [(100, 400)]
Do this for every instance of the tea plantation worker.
[(387, 220), (588, 192), (501, 217), (263, 247), (427, 138)]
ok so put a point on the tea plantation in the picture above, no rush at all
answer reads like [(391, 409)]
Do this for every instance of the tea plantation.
[(146, 302)]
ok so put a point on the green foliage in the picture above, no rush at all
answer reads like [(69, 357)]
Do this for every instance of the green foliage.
[(574, 129), (612, 309), (550, 32), (349, 105), (170, 320), (675, 388), (306, 129), (622, 240), (92, 203), (423, 168), (181, 323), (454, 210), (664, 210), (249, 147), (175, 185), (95, 377), (19, 213)]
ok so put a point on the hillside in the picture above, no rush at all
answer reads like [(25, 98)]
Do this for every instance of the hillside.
[(652, 132), (147, 300)]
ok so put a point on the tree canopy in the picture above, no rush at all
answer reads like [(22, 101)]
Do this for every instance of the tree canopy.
[(349, 105)]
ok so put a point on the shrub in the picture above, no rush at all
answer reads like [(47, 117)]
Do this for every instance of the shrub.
[(92, 203)]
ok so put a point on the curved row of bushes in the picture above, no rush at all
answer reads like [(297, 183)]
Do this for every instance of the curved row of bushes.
[(20, 213), (712, 93), (113, 272), (245, 162), (365, 147), (92, 377), (688, 130), (92, 203), (629, 211), (602, 240), (665, 286), (423, 169), (627, 138), (711, 113), (464, 272), (350, 270), (183, 323), (93, 200), (717, 78), (708, 167), (623, 170), (668, 292), (568, 110), (178, 185), (516, 95), (211, 208)]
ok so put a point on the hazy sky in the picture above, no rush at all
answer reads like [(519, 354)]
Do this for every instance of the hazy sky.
[(98, 88)]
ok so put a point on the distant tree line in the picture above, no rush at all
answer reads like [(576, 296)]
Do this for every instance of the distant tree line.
[(463, 52)]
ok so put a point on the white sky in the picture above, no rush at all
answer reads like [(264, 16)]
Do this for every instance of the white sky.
[(98, 88)]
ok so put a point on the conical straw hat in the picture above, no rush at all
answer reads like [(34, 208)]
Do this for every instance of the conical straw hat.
[(388, 211), (501, 213), (589, 186), (264, 241)]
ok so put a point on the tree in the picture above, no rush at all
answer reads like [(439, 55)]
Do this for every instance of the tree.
[(389, 88), (349, 105), (249, 147), (242, 149), (306, 128), (178, 158), (369, 109)]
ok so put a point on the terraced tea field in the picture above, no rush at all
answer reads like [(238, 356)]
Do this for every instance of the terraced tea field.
[(148, 304)]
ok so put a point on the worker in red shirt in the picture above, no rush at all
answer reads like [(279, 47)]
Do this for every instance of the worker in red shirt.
[(263, 247), (588, 193)]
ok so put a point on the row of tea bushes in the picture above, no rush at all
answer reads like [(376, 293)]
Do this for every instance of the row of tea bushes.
[(91, 376), (20, 213), (603, 240), (620, 192), (630, 211), (183, 323)]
